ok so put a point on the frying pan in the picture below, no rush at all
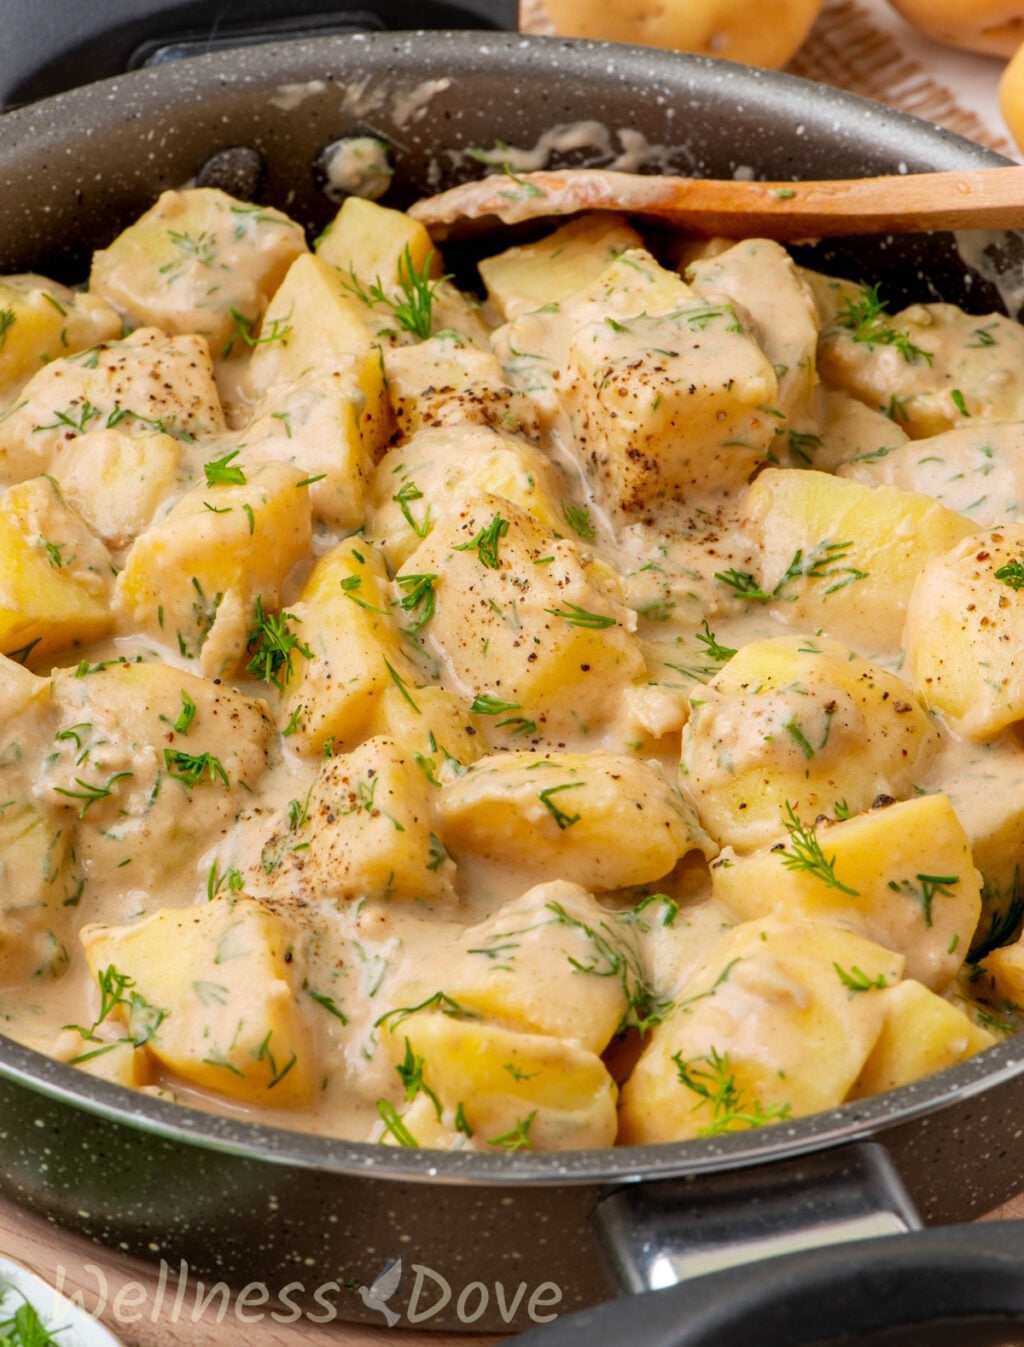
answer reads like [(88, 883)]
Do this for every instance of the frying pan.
[(493, 1242)]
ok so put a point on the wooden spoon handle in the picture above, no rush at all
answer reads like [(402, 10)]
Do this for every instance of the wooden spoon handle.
[(987, 198)]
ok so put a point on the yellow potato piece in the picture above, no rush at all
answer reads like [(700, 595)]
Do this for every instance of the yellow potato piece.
[(513, 1091), (963, 632), (199, 261), (842, 556), (536, 275), (551, 962), (804, 721), (922, 1033), (211, 997), (41, 321), (766, 1029), (553, 814), (193, 578), (369, 241), (117, 481), (344, 614), (902, 874), (56, 577)]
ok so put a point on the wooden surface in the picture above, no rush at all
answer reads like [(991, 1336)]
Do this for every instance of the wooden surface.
[(143, 1314)]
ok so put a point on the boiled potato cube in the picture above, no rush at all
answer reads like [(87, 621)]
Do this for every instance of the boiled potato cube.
[(210, 992), (511, 1091), (964, 624), (117, 482), (109, 1053), (40, 883), (670, 404), (41, 321), (198, 261), (930, 367), (447, 381), (369, 242), (760, 276), (315, 425), (976, 470), (799, 721), (149, 381), (540, 274), (551, 962), (413, 482), (433, 728), (344, 612), (56, 577), (902, 874), (768, 1029), (150, 765), (195, 576), (843, 556), (922, 1033), (553, 814), (320, 327), (365, 830), (852, 435), (987, 793), (519, 616), (1002, 980)]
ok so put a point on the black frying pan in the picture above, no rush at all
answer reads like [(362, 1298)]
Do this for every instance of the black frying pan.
[(250, 1203)]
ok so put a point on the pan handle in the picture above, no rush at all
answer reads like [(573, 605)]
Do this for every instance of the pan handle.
[(953, 1286), (795, 1253)]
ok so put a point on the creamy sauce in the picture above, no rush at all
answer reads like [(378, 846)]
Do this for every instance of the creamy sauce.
[(376, 757)]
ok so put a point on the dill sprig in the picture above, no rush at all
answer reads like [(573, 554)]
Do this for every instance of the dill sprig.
[(866, 319), (270, 643), (413, 311), (712, 1079), (806, 854)]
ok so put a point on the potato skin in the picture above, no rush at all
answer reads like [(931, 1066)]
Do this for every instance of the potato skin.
[(993, 27), (767, 33)]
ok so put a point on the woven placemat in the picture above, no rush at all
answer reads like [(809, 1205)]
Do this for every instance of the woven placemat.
[(847, 50)]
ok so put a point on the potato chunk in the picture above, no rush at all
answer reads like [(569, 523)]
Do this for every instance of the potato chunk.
[(963, 632), (116, 481), (540, 274), (319, 327), (150, 765), (977, 471), (520, 618), (669, 405), (843, 556), (930, 366), (415, 482), (769, 1029), (344, 614), (760, 275), (551, 962), (41, 321), (146, 382), (446, 381), (40, 884), (370, 241), (198, 261), (799, 721), (921, 1034), (510, 1091), (210, 991), (553, 814), (903, 875), (56, 577), (194, 577), (365, 830), (314, 424)]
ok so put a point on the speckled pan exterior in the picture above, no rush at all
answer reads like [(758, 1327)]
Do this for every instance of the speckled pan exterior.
[(250, 1203)]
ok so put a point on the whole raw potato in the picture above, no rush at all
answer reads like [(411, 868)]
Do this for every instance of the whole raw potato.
[(995, 27), (756, 32)]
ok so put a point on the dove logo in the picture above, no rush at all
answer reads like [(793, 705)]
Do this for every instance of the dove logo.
[(384, 1286)]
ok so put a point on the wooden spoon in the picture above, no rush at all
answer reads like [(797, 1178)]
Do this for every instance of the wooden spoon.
[(986, 198)]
